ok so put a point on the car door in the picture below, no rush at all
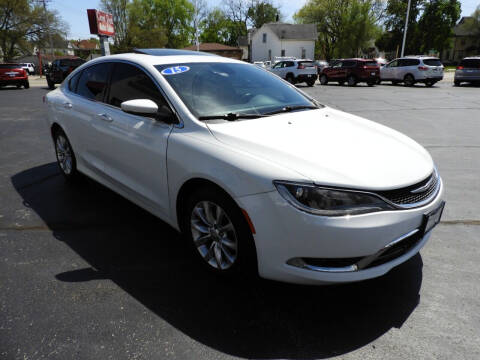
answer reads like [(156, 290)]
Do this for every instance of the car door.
[(386, 72), (135, 161), (82, 111), (276, 69), (334, 71)]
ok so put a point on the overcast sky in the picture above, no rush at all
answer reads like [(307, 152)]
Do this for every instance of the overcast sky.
[(74, 12)]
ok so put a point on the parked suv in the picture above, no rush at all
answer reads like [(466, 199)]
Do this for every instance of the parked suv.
[(296, 71), (468, 71), (60, 69), (29, 68), (413, 69), (351, 71), (13, 74)]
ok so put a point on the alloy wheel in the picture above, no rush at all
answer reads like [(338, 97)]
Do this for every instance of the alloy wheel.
[(214, 235), (64, 154)]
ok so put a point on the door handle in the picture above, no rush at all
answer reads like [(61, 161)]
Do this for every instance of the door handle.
[(105, 117), (67, 105)]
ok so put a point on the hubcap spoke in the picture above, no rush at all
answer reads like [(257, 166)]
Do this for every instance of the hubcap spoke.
[(64, 154), (214, 235)]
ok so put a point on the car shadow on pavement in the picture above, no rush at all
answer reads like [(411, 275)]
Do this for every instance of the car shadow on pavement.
[(250, 318)]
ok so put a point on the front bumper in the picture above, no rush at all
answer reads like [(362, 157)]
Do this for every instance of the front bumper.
[(284, 233), (13, 81)]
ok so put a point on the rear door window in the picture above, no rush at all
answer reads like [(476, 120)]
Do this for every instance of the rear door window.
[(72, 83), (470, 63), (349, 63), (371, 63), (92, 83), (432, 62)]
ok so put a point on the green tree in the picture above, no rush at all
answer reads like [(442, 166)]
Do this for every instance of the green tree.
[(159, 23), (262, 12), (119, 11), (23, 22), (436, 24), (215, 27), (473, 24), (344, 26)]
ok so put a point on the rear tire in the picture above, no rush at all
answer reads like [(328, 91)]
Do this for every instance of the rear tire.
[(218, 233), (394, 82), (311, 83), (456, 83), (26, 84), (351, 81), (323, 79), (429, 83), (290, 79), (65, 156), (341, 83), (408, 80), (370, 84)]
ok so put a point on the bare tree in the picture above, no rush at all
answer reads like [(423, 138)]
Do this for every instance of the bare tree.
[(118, 9)]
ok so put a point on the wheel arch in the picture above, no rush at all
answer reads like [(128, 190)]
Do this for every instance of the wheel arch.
[(410, 75), (54, 128), (187, 188)]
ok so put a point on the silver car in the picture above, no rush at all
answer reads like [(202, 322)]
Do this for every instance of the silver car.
[(468, 71), (413, 69)]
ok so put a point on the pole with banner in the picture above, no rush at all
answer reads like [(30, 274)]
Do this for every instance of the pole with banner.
[(101, 24)]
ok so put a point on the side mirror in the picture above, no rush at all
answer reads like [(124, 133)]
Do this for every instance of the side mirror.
[(146, 107)]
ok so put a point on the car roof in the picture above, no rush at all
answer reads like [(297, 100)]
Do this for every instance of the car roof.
[(152, 60), (472, 57)]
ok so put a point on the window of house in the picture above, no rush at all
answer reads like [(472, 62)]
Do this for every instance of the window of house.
[(264, 40), (282, 53)]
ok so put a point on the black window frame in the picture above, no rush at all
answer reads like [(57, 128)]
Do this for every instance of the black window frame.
[(107, 82)]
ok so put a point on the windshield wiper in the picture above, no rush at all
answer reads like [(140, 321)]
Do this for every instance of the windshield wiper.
[(292, 108), (231, 116)]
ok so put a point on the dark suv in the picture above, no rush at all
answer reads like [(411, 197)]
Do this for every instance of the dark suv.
[(60, 69), (351, 71)]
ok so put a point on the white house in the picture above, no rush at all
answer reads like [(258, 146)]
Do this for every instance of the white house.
[(281, 39)]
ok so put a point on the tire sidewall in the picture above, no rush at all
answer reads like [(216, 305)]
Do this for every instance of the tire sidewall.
[(246, 262), (74, 173)]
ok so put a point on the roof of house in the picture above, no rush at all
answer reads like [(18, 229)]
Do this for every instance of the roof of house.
[(462, 29), (85, 44), (293, 31), (212, 47)]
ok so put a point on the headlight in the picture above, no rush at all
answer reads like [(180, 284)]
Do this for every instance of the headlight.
[(329, 202)]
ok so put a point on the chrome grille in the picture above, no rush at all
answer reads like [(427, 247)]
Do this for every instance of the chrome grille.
[(413, 195)]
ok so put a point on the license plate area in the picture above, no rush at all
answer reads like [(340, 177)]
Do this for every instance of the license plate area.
[(431, 219), (372, 73)]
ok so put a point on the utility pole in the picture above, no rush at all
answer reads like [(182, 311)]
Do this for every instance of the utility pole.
[(405, 30), (44, 3), (195, 24)]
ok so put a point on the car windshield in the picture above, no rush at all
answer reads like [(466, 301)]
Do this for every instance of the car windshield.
[(217, 88), (72, 62)]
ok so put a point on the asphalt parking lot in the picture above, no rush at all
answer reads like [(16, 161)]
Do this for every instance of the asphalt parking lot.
[(84, 274)]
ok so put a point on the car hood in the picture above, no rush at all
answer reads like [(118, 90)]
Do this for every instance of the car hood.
[(330, 147)]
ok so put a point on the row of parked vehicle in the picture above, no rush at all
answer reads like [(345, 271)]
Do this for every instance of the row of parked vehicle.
[(16, 74), (408, 70)]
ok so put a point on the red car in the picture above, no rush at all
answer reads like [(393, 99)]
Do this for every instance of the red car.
[(351, 71), (13, 74)]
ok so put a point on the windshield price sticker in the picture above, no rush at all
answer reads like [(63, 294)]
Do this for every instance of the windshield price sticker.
[(175, 70)]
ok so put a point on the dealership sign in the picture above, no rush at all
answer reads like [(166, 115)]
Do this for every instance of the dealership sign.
[(101, 23)]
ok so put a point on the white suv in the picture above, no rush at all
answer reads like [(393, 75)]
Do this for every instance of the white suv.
[(413, 69), (296, 71), (29, 68)]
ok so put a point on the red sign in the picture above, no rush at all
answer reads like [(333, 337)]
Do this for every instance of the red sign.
[(101, 23)]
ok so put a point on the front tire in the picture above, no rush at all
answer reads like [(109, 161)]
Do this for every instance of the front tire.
[(456, 83), (51, 84), (408, 80), (26, 84), (351, 81), (311, 83), (323, 79), (220, 235), (65, 156), (290, 79)]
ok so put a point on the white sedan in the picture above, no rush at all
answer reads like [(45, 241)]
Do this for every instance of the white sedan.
[(256, 174)]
